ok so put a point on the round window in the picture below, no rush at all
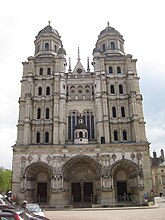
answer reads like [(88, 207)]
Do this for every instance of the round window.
[(79, 70)]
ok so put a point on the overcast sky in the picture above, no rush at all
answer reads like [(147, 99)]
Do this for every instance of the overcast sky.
[(79, 23)]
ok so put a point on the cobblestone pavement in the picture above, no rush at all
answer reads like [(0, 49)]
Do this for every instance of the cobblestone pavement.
[(145, 213)]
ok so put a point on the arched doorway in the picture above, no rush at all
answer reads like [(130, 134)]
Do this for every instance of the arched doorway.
[(81, 176), (38, 182), (125, 176)]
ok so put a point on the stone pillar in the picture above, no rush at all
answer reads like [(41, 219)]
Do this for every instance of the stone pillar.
[(56, 121), (27, 122)]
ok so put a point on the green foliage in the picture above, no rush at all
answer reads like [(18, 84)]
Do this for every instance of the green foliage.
[(5, 180)]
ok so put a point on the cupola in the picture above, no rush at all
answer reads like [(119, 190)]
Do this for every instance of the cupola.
[(109, 42), (48, 42)]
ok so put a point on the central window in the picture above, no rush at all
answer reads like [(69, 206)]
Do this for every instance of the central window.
[(88, 120)]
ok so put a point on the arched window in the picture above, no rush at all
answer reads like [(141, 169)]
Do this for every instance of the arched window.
[(113, 112), (46, 137), (72, 91), (48, 71), (67, 91), (110, 70), (47, 90), (122, 111), (38, 137), (115, 136), (47, 113), (112, 89), (87, 92), (72, 122), (118, 69), (124, 135), (112, 45), (80, 92), (103, 47), (39, 90), (38, 113), (120, 89), (46, 46), (88, 119), (41, 71), (80, 134), (55, 48)]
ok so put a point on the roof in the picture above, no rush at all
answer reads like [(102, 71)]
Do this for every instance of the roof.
[(109, 30), (81, 126), (61, 50), (48, 30)]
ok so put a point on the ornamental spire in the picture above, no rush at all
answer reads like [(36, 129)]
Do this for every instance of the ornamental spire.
[(78, 54), (69, 70), (88, 68)]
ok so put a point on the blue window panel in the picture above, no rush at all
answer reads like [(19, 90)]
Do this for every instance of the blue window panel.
[(92, 127), (69, 127)]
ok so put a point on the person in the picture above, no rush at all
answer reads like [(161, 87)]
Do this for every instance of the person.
[(24, 204)]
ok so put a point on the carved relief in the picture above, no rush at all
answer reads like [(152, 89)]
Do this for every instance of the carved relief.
[(114, 157), (48, 158), (132, 156), (30, 158)]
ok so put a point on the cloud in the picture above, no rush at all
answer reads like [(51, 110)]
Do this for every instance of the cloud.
[(79, 26)]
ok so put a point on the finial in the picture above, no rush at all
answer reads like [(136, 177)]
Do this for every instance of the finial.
[(78, 54), (69, 70), (108, 23), (88, 69), (49, 23)]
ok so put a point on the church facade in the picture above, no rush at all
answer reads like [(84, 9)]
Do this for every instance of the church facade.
[(81, 138)]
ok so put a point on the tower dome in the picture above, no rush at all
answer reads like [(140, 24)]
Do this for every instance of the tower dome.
[(109, 30), (110, 42), (48, 30), (47, 43)]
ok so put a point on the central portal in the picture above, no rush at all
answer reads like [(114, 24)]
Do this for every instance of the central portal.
[(81, 175), (82, 194)]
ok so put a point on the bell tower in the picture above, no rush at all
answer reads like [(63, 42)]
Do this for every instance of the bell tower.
[(48, 42)]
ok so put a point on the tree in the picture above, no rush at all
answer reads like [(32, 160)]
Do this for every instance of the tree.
[(5, 180)]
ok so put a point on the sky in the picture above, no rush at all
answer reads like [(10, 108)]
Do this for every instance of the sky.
[(79, 23)]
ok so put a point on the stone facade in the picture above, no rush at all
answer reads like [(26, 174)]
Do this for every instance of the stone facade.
[(158, 174), (81, 134)]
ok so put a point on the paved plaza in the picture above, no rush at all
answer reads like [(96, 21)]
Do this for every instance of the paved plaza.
[(144, 213)]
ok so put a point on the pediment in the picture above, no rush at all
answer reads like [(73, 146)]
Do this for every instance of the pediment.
[(79, 69)]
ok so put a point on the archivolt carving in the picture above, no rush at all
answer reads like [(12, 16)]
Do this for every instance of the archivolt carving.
[(80, 166), (127, 165)]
